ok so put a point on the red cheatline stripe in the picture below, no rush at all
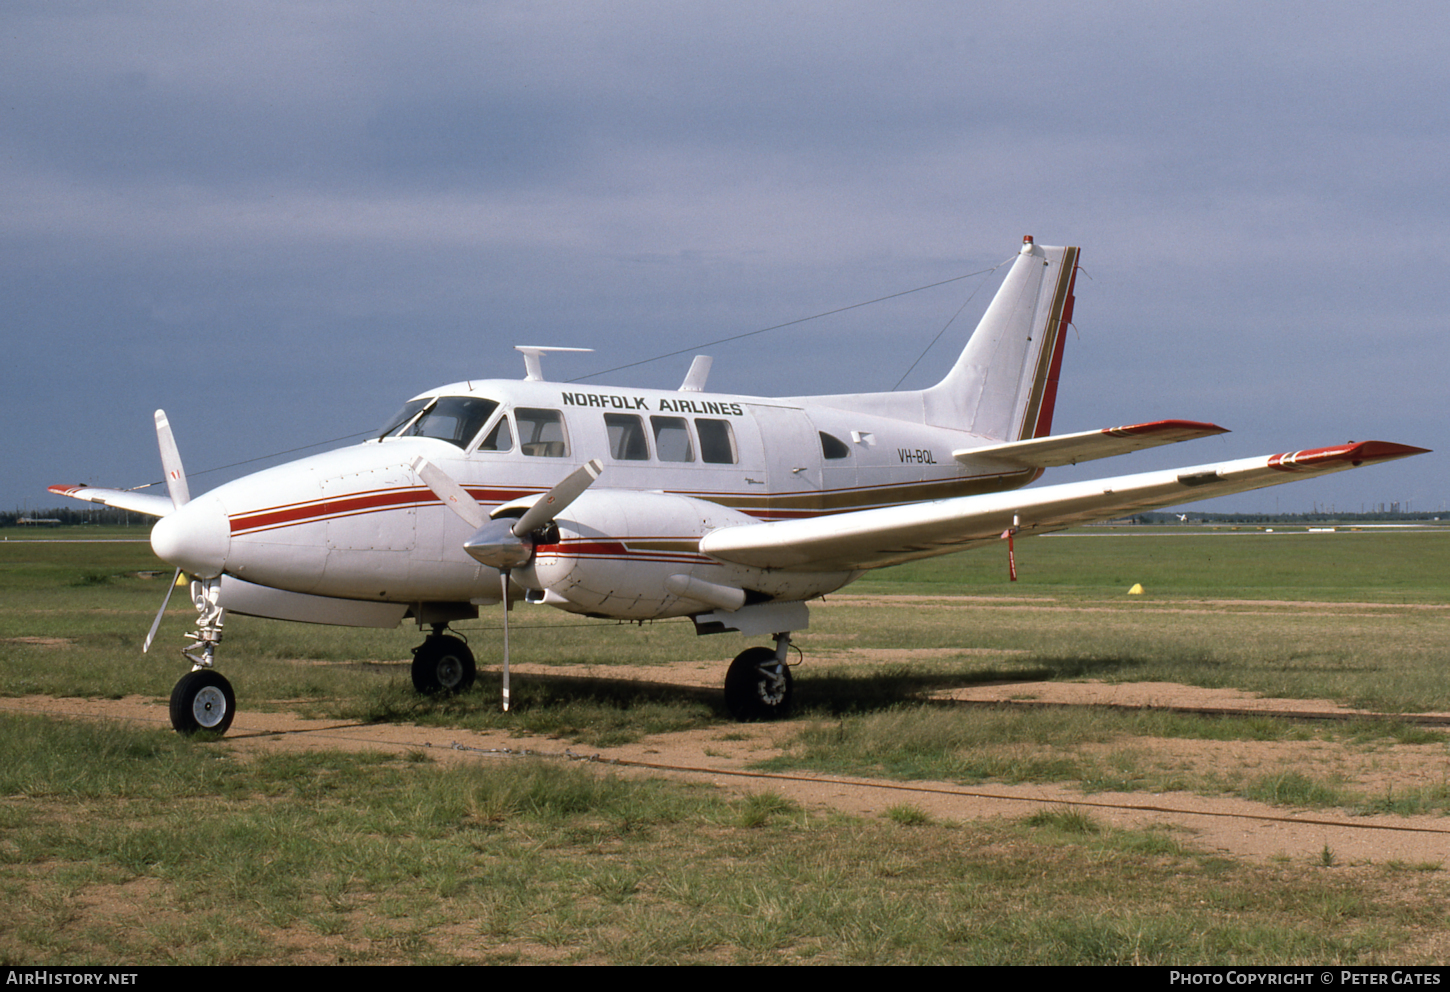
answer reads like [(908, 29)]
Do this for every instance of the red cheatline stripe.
[(360, 503)]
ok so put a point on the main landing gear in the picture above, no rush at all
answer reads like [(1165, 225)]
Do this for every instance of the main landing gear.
[(442, 664), (203, 699), (758, 685)]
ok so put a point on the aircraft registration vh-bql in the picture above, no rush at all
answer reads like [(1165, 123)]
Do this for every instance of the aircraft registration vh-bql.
[(643, 504)]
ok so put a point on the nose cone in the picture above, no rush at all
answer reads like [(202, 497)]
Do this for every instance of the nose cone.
[(195, 538)]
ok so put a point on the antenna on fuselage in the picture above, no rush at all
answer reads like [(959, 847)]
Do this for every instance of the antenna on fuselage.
[(699, 372), (533, 368)]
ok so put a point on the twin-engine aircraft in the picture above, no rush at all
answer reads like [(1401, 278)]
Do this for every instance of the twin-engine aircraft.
[(643, 504)]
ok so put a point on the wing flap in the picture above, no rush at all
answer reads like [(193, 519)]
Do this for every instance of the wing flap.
[(1085, 446), (121, 499), (892, 535)]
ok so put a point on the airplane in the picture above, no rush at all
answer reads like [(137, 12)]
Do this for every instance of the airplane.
[(645, 504)]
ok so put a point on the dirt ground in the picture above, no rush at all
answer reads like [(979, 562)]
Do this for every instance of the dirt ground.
[(1235, 827)]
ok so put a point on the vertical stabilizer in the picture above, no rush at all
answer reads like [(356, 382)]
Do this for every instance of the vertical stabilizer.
[(1004, 385)]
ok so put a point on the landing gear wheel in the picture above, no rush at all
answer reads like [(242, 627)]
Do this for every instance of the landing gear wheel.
[(757, 687), (443, 664), (202, 700)]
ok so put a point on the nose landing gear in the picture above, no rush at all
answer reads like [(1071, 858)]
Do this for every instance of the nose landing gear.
[(203, 698)]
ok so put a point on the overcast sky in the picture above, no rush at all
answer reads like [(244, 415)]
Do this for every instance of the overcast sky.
[(279, 220)]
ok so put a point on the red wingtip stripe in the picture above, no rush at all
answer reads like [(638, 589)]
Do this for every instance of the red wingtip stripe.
[(64, 490), (1355, 454), (1186, 428)]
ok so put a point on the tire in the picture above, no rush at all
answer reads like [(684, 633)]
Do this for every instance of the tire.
[(757, 687), (443, 666), (202, 700)]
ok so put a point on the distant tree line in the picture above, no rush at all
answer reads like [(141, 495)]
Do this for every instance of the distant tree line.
[(77, 516), (1286, 518)]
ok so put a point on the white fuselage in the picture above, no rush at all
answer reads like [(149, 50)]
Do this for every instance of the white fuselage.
[(359, 524)]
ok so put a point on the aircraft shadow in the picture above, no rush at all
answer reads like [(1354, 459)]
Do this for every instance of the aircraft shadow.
[(858, 692), (822, 690)]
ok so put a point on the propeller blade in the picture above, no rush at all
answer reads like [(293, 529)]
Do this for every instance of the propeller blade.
[(171, 462), (504, 576), (146, 646), (497, 544), (553, 502), (454, 496)]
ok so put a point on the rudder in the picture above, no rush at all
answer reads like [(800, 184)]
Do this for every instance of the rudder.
[(1004, 384)]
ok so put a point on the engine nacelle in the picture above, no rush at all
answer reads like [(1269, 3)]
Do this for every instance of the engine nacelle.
[(658, 570)]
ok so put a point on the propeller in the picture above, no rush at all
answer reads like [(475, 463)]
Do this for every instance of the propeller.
[(171, 462), (180, 495), (505, 543)]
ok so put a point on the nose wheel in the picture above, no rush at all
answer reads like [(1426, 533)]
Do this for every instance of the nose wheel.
[(202, 700)]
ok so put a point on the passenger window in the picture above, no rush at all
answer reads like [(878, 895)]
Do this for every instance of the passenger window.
[(542, 433), (500, 438), (717, 442), (672, 439), (833, 447), (626, 437)]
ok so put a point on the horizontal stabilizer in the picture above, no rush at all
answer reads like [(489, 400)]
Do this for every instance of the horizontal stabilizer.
[(122, 499), (1069, 449), (891, 535)]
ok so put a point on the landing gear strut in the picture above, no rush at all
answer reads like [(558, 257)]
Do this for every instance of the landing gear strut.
[(758, 684), (203, 699), (442, 664)]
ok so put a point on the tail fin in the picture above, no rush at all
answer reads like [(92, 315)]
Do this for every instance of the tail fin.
[(1004, 385)]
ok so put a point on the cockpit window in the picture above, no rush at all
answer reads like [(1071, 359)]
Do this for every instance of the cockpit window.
[(499, 439), (454, 419), (403, 416)]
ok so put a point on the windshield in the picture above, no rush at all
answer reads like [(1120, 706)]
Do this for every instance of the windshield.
[(455, 419), (409, 411)]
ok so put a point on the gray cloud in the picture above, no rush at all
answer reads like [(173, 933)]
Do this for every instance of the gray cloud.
[(281, 219)]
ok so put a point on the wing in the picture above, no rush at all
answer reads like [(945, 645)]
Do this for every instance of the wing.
[(122, 499), (1069, 449), (891, 535)]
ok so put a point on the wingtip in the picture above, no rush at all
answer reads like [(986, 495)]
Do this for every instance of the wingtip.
[(1182, 430), (1356, 453)]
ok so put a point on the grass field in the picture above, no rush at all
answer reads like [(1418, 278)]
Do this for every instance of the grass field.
[(125, 845)]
